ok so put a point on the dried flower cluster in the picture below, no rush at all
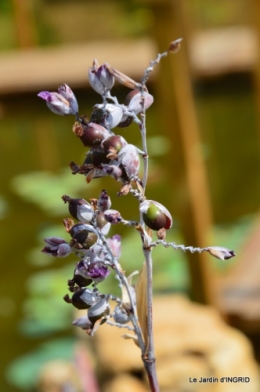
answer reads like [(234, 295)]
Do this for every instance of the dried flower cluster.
[(111, 155)]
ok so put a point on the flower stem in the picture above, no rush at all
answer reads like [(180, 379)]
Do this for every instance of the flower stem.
[(149, 357)]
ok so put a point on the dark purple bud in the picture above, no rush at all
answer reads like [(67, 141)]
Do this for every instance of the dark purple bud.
[(91, 135), (113, 115), (56, 247), (84, 298), (79, 209), (100, 79), (104, 201), (112, 216), (115, 245), (97, 271), (134, 100), (99, 310), (155, 215), (128, 157), (68, 94), (221, 253), (56, 103), (94, 269)]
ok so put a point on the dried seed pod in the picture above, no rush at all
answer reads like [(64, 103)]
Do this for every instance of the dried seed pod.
[(155, 215)]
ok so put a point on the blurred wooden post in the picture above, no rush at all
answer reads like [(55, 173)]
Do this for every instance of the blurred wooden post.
[(24, 23), (256, 20), (191, 201)]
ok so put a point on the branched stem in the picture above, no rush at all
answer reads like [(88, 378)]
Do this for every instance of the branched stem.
[(190, 249)]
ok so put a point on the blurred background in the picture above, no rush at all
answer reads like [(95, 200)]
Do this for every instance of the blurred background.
[(203, 143)]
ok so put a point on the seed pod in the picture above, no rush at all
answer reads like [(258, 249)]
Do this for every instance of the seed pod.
[(155, 215), (113, 143), (84, 298), (134, 99), (79, 233), (80, 280), (112, 115), (80, 209), (99, 310), (96, 157), (120, 315), (91, 135), (128, 157)]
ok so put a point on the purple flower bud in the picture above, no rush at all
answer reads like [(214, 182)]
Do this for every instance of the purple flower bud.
[(99, 310), (115, 245), (100, 79), (128, 157), (113, 216), (221, 253), (68, 94), (56, 103), (113, 115), (91, 135), (80, 209), (56, 247), (98, 272), (104, 201), (155, 215), (94, 269), (133, 101)]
